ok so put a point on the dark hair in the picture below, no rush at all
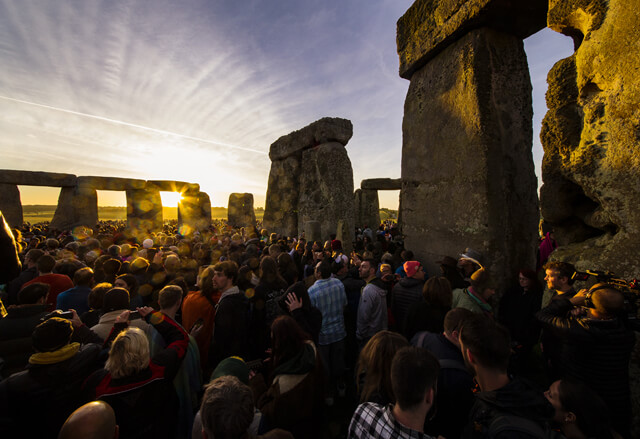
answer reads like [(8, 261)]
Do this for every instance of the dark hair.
[(46, 264), (205, 282), (488, 341), (324, 268), (413, 372), (169, 296), (592, 414), (564, 268), (132, 283), (288, 339), (32, 293), (229, 268), (454, 319), (532, 276), (227, 407), (116, 298), (83, 277), (269, 273), (34, 254), (437, 292), (96, 296)]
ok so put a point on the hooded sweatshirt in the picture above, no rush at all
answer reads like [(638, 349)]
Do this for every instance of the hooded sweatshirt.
[(372, 310)]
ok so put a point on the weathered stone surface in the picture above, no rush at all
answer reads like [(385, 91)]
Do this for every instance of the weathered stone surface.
[(368, 209), (429, 26), (325, 130), (194, 213), (112, 183), (281, 204), (312, 231), (30, 178), (144, 211), (65, 216), (591, 139), (10, 266), (382, 184), (10, 204), (240, 211), (345, 235), (326, 188), (172, 186), (467, 168), (85, 206)]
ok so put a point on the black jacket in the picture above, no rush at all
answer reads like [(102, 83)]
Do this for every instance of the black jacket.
[(407, 292), (15, 335)]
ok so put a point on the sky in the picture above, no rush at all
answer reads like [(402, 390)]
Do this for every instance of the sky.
[(197, 90)]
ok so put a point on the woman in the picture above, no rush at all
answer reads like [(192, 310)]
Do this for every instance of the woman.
[(374, 366), (139, 388), (129, 283), (268, 292), (293, 399), (428, 315), (580, 412)]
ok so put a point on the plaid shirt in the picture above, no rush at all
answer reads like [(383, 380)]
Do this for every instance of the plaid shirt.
[(375, 421), (329, 297)]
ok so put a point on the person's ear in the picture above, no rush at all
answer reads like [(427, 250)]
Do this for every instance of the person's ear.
[(430, 396), (570, 417), (470, 357)]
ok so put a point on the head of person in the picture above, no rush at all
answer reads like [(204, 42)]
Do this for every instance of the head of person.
[(83, 277), (528, 279), (227, 408), (414, 270), (406, 255), (205, 281), (45, 264), (225, 275), (414, 377), (374, 363), (287, 339), (111, 266), (606, 300), (437, 292), (385, 270), (32, 256), (323, 269), (453, 321), (114, 251), (94, 420), (116, 299), (34, 293), (128, 282), (558, 275), (484, 344), (129, 353), (170, 297), (269, 270), (577, 405), (367, 269), (469, 262), (139, 266), (483, 283), (51, 335), (96, 296)]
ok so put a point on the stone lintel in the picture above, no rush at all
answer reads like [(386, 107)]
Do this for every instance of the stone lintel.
[(325, 130), (382, 184), (173, 186), (429, 26), (31, 178), (111, 183)]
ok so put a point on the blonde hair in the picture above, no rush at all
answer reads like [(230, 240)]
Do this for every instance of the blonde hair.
[(129, 353)]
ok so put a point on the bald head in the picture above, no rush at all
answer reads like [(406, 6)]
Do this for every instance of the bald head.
[(608, 301), (95, 420)]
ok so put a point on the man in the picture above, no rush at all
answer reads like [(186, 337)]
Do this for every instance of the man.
[(414, 375), (406, 292), (57, 282), (227, 411), (77, 297), (231, 324), (95, 420), (468, 263), (558, 277), (595, 346), (372, 309), (505, 407), (476, 297), (328, 295), (455, 383), (30, 272)]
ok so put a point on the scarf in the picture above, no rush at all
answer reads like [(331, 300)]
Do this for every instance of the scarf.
[(303, 362), (57, 356), (480, 301)]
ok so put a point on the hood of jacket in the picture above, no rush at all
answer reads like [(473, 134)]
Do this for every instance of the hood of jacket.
[(519, 398)]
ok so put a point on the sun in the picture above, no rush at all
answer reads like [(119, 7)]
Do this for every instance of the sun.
[(170, 199)]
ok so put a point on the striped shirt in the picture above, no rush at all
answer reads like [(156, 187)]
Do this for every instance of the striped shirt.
[(329, 297), (374, 421)]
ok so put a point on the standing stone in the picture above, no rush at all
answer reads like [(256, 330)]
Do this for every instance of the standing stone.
[(10, 204), (312, 231), (194, 212), (467, 167), (357, 202), (345, 235), (65, 216), (240, 211), (85, 205), (326, 188), (144, 211), (281, 205), (369, 209)]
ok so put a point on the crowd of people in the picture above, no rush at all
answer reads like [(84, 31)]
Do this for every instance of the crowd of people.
[(242, 333)]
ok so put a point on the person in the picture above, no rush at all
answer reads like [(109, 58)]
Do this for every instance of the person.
[(268, 292), (372, 373), (298, 304), (455, 383), (94, 420), (414, 376), (95, 300), (57, 282), (116, 300), (227, 411), (328, 295), (428, 314), (469, 262), (596, 346), (138, 386), (29, 272), (407, 292), (547, 245), (504, 407), (372, 309), (579, 412), (476, 297), (130, 283), (293, 399), (449, 270), (77, 297), (65, 353)]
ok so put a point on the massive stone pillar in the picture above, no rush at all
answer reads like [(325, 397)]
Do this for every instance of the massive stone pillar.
[(85, 204), (310, 178), (65, 216), (467, 168), (240, 211), (194, 212), (144, 211), (10, 204), (369, 208)]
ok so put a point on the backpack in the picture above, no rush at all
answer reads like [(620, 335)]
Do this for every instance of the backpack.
[(492, 422)]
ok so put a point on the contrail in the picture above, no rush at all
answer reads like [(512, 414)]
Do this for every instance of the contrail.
[(132, 125)]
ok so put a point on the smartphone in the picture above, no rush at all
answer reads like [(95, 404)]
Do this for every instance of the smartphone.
[(133, 315), (198, 323)]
